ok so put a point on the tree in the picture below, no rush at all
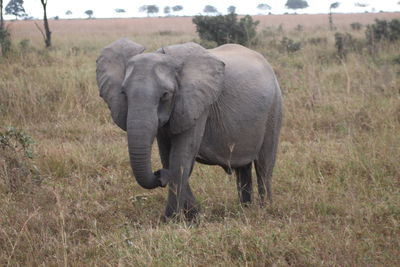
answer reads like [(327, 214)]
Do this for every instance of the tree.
[(210, 9), (167, 10), (68, 13), (1, 16), (177, 8), (149, 9), (231, 9), (332, 6), (89, 13), (296, 4), (361, 4), (5, 37), (16, 8), (120, 10), (47, 36), (264, 7), (152, 9)]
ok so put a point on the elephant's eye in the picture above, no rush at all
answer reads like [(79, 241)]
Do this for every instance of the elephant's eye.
[(165, 96)]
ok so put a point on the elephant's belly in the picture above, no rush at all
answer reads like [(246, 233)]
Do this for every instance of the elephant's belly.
[(236, 123), (233, 145)]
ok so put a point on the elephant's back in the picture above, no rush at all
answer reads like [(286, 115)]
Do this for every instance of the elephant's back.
[(237, 121), (232, 54), (246, 68)]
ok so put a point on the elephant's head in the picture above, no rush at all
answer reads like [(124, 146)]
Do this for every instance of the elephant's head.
[(144, 92)]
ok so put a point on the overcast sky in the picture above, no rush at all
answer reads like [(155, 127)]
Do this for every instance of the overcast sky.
[(192, 7)]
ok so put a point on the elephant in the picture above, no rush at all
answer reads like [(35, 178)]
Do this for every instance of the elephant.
[(220, 106)]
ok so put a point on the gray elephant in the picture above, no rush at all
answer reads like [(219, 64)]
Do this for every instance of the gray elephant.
[(221, 106)]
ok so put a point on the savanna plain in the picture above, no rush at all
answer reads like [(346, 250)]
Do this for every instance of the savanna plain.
[(70, 198)]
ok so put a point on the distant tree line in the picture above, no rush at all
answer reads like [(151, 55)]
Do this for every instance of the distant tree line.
[(153, 9), (15, 8)]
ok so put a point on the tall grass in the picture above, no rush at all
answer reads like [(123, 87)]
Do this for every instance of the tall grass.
[(336, 183)]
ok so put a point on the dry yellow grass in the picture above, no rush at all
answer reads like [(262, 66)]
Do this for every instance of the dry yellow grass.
[(336, 182), (111, 28)]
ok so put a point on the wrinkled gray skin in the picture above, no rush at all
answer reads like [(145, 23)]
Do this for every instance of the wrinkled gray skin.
[(219, 107)]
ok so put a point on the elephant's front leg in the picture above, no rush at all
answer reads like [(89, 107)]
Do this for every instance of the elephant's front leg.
[(164, 146), (184, 149)]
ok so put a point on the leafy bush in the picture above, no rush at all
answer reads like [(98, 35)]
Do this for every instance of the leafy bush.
[(383, 30), (356, 26), (226, 29), (289, 46)]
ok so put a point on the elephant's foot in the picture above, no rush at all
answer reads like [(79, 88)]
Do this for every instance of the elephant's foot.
[(187, 213), (190, 217)]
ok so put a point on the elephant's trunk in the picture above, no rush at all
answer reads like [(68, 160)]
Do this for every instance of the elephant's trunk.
[(141, 134)]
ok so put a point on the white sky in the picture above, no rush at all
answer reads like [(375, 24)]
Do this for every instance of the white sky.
[(192, 7)]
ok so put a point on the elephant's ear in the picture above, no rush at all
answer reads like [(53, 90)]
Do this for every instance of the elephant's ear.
[(110, 72), (200, 84)]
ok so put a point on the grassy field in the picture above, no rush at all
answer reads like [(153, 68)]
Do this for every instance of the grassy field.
[(336, 182)]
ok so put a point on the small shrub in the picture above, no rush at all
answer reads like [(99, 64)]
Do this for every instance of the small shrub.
[(383, 30), (226, 29), (345, 42), (341, 43), (394, 28), (16, 170), (271, 31), (5, 41), (168, 33), (17, 141), (24, 44), (396, 60), (317, 40), (356, 26), (289, 46), (299, 28)]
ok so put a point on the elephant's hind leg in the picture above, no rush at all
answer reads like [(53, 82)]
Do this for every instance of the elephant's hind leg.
[(264, 179), (264, 164), (244, 183)]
